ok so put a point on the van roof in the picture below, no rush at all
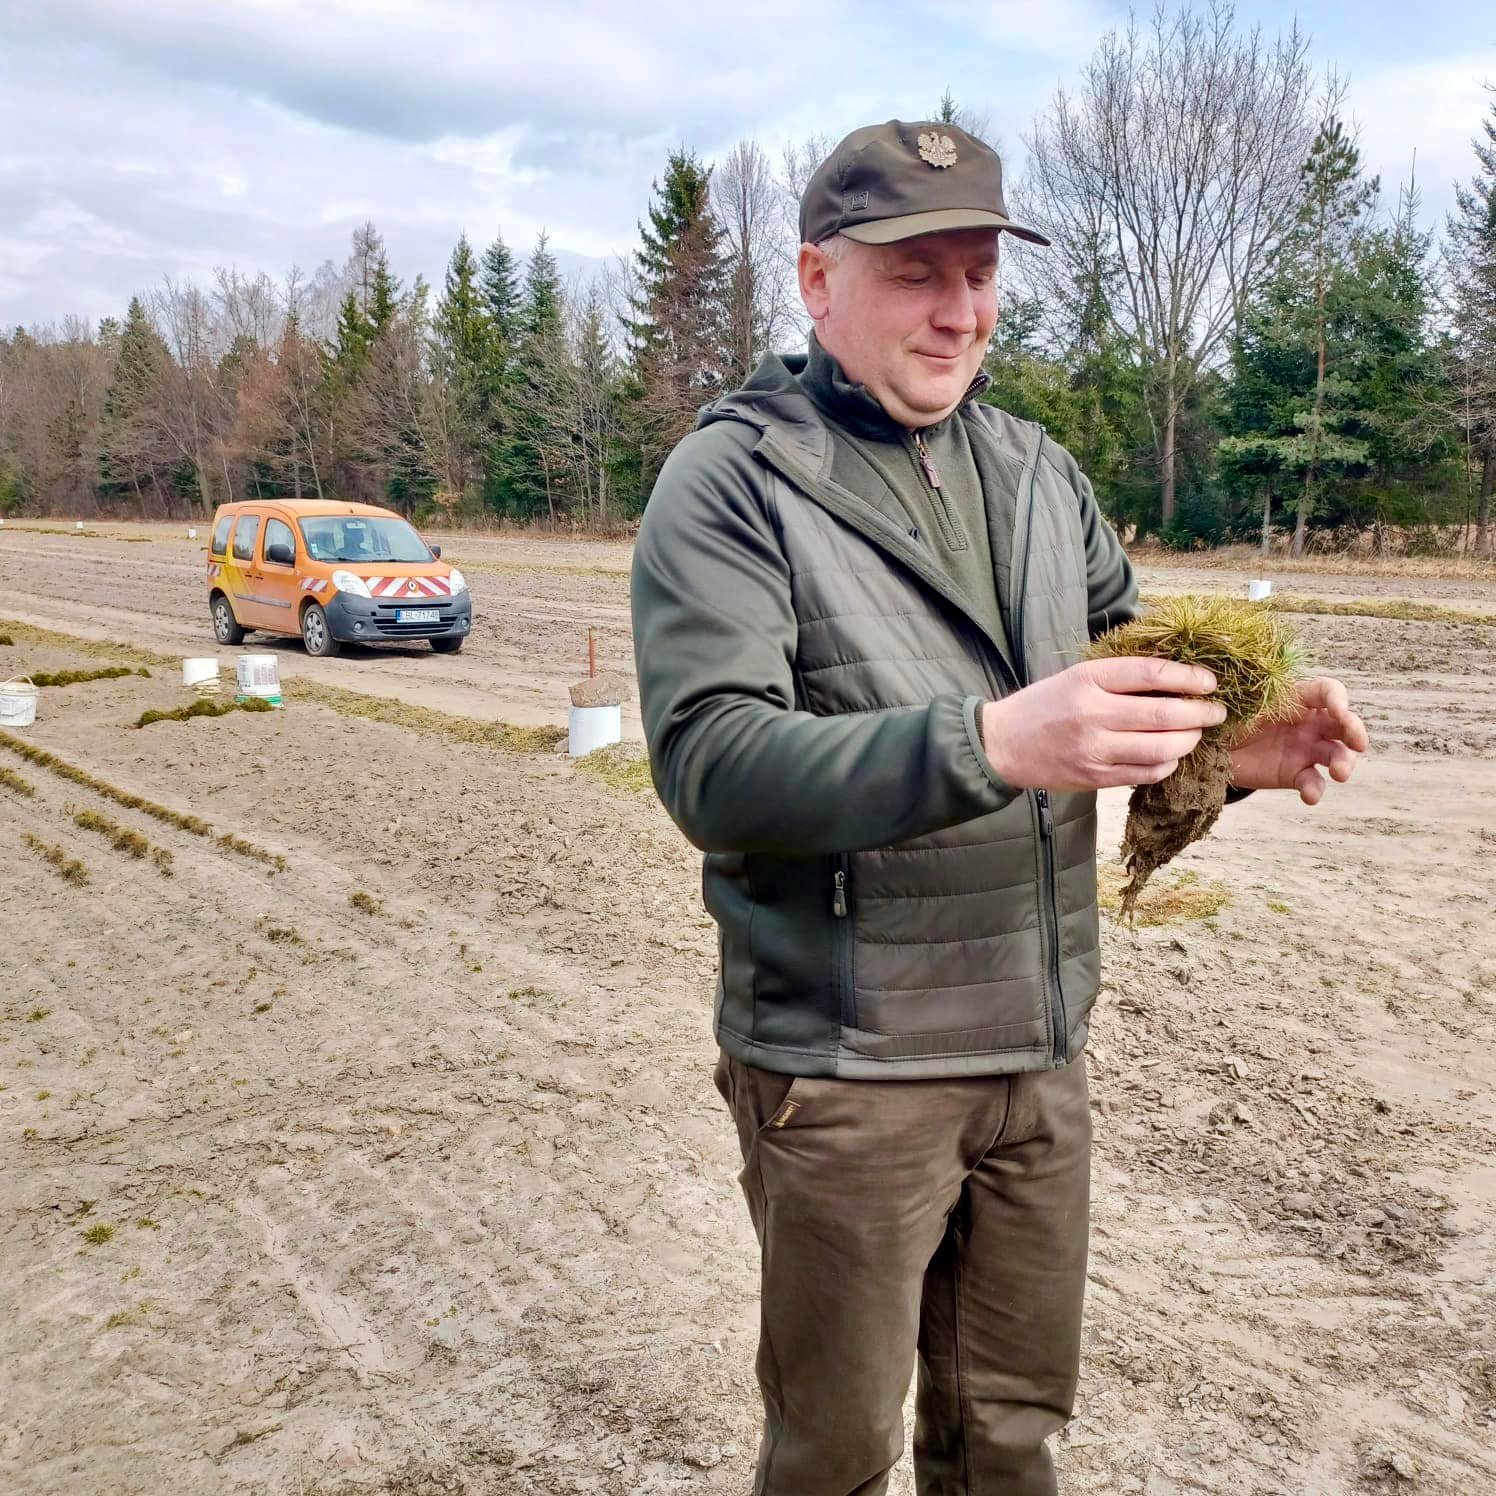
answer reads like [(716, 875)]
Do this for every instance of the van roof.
[(306, 508)]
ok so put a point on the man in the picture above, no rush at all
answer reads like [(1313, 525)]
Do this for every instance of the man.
[(858, 596)]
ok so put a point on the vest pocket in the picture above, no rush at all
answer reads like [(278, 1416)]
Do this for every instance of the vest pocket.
[(842, 976)]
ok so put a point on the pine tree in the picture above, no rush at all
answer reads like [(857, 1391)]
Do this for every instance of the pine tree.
[(129, 448), (462, 356), (1336, 199), (1294, 405), (1472, 251), (679, 360)]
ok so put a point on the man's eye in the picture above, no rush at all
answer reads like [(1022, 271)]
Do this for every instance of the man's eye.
[(916, 280)]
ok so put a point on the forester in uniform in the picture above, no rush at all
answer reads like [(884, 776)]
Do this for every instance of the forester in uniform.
[(859, 597)]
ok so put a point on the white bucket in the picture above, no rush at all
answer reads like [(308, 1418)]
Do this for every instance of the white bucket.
[(198, 670), (78, 525), (593, 727), (18, 702), (1256, 591), (192, 534), (259, 675)]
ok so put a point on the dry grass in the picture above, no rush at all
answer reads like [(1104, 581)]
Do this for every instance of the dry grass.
[(1248, 559), (1169, 903), (365, 903), (619, 767), (424, 719), (95, 648), (1356, 607), (194, 825), (68, 868), (121, 838), (205, 707), (79, 677), (1364, 608), (6, 641), (13, 781)]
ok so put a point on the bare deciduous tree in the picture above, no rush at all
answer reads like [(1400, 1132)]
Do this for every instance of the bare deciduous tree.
[(1165, 182), (747, 202)]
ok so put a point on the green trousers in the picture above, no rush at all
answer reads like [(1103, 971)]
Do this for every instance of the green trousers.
[(942, 1222)]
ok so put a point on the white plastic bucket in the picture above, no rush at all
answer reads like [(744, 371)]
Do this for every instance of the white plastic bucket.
[(191, 534), (195, 671), (259, 675), (18, 702), (78, 525), (593, 727), (1257, 590)]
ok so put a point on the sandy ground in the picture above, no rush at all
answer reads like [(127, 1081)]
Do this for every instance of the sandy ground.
[(299, 1198)]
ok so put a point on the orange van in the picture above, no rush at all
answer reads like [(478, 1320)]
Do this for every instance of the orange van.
[(333, 573)]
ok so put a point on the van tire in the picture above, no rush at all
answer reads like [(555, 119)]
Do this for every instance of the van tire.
[(225, 626), (316, 635), (448, 645)]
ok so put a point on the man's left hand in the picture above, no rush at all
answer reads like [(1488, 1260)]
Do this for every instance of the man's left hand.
[(1288, 755)]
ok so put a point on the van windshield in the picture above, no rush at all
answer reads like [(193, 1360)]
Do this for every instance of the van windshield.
[(363, 539)]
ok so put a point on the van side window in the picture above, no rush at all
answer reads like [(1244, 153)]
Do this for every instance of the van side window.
[(244, 537), (277, 533), (221, 534)]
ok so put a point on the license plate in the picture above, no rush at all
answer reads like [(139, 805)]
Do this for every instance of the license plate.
[(418, 615)]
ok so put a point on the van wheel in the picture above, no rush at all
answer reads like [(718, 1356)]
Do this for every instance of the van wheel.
[(315, 633), (448, 646), (225, 626)]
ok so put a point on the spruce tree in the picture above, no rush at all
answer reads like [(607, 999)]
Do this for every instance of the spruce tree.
[(128, 446), (676, 342)]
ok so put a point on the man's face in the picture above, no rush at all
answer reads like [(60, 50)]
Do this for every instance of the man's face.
[(910, 321)]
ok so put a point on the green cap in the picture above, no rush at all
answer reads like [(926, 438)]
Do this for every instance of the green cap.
[(898, 180)]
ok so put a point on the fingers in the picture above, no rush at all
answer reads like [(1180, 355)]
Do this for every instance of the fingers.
[(1311, 786), (1163, 714), (1146, 747), (1133, 673), (1118, 775), (1329, 696)]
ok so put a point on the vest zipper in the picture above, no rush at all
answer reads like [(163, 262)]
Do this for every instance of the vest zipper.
[(841, 937), (1048, 893)]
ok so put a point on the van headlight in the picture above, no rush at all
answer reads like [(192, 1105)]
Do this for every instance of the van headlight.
[(457, 580), (345, 581)]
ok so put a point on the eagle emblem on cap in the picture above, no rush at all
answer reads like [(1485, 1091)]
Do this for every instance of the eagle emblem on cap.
[(938, 150)]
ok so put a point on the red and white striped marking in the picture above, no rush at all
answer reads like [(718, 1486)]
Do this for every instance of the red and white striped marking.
[(214, 568), (314, 584), (409, 586)]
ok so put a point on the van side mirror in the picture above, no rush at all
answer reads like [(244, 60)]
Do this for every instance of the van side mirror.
[(280, 553), (436, 551)]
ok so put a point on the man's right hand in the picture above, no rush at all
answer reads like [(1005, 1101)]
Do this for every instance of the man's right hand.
[(1100, 724)]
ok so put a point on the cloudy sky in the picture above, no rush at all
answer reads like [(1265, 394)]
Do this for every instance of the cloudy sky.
[(148, 137)]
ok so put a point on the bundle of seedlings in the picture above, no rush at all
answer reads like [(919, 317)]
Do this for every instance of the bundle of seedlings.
[(1257, 663)]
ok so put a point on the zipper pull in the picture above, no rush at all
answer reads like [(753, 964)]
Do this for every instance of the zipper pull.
[(932, 473), (839, 895), (1046, 820)]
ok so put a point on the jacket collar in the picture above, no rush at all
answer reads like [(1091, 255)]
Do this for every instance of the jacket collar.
[(795, 442)]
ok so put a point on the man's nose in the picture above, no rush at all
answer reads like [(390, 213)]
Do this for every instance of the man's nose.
[(955, 311)]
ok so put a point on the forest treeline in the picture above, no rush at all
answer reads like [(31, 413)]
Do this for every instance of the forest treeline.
[(1238, 331)]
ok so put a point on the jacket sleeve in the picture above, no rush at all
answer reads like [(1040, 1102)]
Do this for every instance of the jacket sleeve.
[(737, 765), (1112, 590)]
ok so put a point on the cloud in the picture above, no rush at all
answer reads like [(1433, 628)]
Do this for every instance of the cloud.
[(420, 71)]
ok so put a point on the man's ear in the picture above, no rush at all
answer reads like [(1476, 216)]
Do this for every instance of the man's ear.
[(814, 270)]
